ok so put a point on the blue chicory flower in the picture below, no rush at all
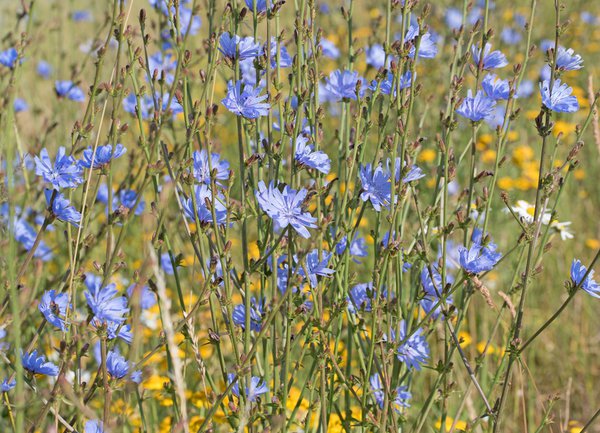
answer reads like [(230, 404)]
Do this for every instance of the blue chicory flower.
[(560, 99), (476, 108), (578, 270), (306, 155), (64, 173), (54, 308), (38, 365), (247, 103)]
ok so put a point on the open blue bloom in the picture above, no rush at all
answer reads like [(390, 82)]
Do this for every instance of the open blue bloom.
[(61, 208), (476, 108), (433, 287), (495, 88), (235, 47), (375, 56), (163, 64), (491, 59), (9, 57), (104, 155), (68, 89), (479, 258), (146, 296), (203, 193), (316, 267), (376, 186), (38, 365), (561, 99), (116, 330), (360, 296), (247, 103), (257, 309), (285, 60), (578, 270), (94, 426), (285, 207), (20, 105), (511, 36), (6, 386), (428, 303), (54, 308), (414, 351), (44, 69), (567, 60), (261, 5), (118, 367), (401, 394), (106, 306), (257, 385), (428, 48), (342, 84), (64, 173), (202, 168), (308, 157), (329, 49)]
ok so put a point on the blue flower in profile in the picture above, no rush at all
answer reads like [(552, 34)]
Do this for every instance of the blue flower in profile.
[(44, 69), (104, 155), (560, 99), (329, 49), (6, 386), (257, 386), (315, 267), (567, 60), (118, 367), (68, 89), (495, 88), (358, 247), (235, 47), (386, 85), (414, 351), (25, 235), (429, 303), (146, 296), (94, 426), (116, 330), (203, 193), (37, 364), (247, 103), (81, 15), (54, 308), (480, 257), (401, 394), (202, 167), (166, 264), (9, 57), (342, 84), (285, 207), (375, 56), (476, 108), (428, 48), (20, 105), (360, 296), (433, 286), (285, 60), (61, 208), (125, 197), (376, 186), (412, 173), (106, 306), (257, 309), (261, 5), (64, 173), (578, 270), (491, 59), (306, 156)]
